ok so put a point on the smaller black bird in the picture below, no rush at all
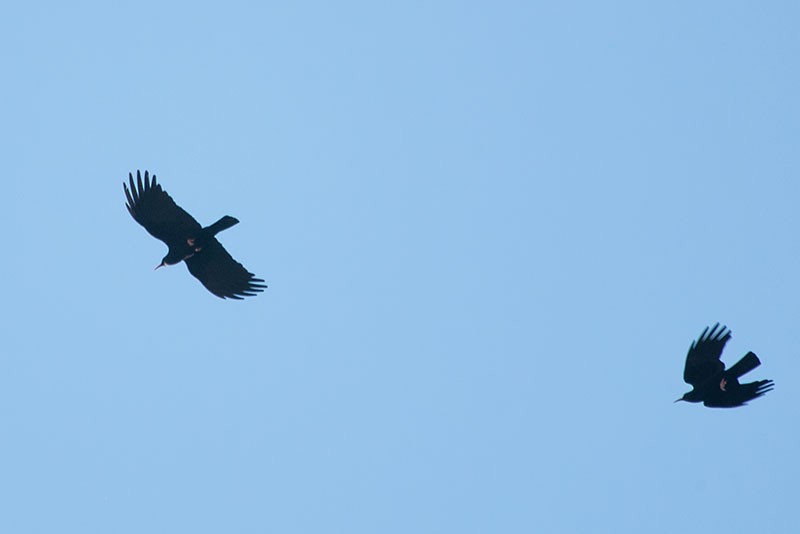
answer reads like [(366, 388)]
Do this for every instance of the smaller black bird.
[(713, 385), (207, 260)]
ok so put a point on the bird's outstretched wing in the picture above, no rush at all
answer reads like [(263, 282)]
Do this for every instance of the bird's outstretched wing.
[(221, 274), (702, 361), (154, 209), (739, 395)]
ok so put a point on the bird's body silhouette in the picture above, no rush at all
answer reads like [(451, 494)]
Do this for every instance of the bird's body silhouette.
[(712, 384), (188, 241)]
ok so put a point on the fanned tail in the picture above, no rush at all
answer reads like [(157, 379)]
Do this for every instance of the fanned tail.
[(748, 362), (222, 224)]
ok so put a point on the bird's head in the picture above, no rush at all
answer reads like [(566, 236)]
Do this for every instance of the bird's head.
[(690, 396), (169, 260)]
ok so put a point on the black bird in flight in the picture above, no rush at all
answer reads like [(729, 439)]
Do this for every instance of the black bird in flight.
[(713, 385), (205, 257)]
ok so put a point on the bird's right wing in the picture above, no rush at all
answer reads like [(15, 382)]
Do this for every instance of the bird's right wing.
[(154, 209), (703, 359), (740, 395), (221, 274)]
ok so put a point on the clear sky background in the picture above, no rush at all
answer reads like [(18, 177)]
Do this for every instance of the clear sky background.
[(490, 231)]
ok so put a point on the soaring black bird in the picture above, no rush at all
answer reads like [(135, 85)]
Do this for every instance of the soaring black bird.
[(713, 385), (207, 260)]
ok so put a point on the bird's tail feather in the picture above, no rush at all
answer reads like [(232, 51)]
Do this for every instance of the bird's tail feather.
[(748, 362), (222, 224)]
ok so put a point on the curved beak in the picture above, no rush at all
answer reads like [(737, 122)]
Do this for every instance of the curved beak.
[(159, 265), (678, 400)]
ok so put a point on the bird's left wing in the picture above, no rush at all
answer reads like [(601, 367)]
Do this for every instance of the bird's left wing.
[(154, 209), (703, 359), (221, 274)]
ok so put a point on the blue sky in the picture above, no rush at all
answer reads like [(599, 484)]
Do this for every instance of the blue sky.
[(490, 233)]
